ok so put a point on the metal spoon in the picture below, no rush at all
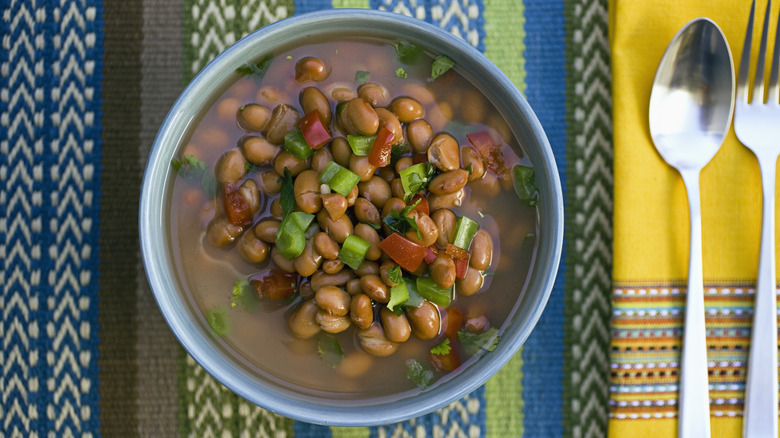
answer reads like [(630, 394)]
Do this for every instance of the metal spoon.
[(691, 105)]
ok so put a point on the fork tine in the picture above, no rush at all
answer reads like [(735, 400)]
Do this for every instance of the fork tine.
[(743, 81), (758, 83), (773, 96)]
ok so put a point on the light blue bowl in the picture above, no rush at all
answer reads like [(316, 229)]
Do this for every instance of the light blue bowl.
[(158, 180)]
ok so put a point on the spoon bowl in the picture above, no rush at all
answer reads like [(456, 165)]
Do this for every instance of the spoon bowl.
[(691, 106)]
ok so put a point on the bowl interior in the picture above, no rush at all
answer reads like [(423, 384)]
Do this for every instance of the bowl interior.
[(211, 353)]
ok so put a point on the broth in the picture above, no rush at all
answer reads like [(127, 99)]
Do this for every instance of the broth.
[(261, 338)]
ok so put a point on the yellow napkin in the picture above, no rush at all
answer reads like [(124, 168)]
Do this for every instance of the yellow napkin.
[(650, 259)]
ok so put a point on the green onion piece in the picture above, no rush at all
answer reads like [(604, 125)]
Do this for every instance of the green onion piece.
[(399, 294), (290, 238), (301, 219), (524, 180), (354, 251), (361, 144), (428, 289), (464, 233), (295, 144), (341, 180), (415, 300)]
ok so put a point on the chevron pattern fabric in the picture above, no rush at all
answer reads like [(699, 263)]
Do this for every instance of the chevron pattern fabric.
[(84, 84)]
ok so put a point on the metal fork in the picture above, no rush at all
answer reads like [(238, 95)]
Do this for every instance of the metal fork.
[(757, 125)]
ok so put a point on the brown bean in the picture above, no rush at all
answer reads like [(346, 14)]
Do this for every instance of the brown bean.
[(258, 150), (367, 268), (342, 94), (449, 182), (428, 232), (310, 68), (406, 109), (227, 108), (287, 160), (272, 184), (266, 230), (332, 323), (419, 134), (373, 287), (390, 122), (352, 196), (472, 162), (375, 190), (425, 320), (252, 249), (231, 167), (361, 311), (220, 232), (332, 266), (320, 279), (320, 159), (282, 262), (471, 283), (361, 167), (251, 194), (387, 173), (271, 94), (365, 211), (335, 205), (353, 287), (481, 250), (442, 270), (369, 234), (444, 152), (276, 209), (312, 99), (333, 300), (305, 290), (384, 272), (306, 190), (341, 151), (355, 364), (373, 93), (338, 229), (446, 222), (357, 117), (253, 117), (396, 327), (452, 200), (302, 322), (403, 163), (393, 204), (373, 341), (308, 261), (284, 119), (488, 186), (397, 188), (326, 246)]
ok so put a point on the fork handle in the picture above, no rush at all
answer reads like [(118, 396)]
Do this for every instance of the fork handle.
[(694, 409), (761, 388)]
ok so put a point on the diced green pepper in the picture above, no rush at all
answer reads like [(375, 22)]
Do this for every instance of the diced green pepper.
[(428, 289), (290, 238), (354, 251), (415, 178), (340, 179), (524, 181), (301, 219), (295, 144), (465, 230), (399, 294), (361, 144)]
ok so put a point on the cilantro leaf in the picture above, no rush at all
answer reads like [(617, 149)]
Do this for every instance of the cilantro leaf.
[(373, 225), (190, 167), (440, 66), (397, 151), (524, 181), (330, 350), (218, 320), (361, 76), (243, 296), (408, 53), (400, 222), (473, 343), (287, 196), (257, 70), (395, 275), (400, 73), (418, 374), (443, 348)]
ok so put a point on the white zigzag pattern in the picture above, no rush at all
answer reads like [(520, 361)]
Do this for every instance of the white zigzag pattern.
[(450, 15)]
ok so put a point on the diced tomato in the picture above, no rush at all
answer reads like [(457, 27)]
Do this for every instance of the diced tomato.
[(456, 252), (454, 322), (461, 267), (446, 362), (274, 284), (403, 251), (314, 131), (430, 256), (422, 207), (489, 149), (237, 208), (382, 148), (419, 158)]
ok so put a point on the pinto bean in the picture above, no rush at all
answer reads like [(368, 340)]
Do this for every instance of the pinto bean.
[(354, 287), (452, 200), (359, 118), (308, 261), (252, 249), (326, 246), (282, 262), (302, 322), (444, 152), (266, 230), (481, 251), (276, 209), (396, 327), (333, 300), (373, 93), (374, 341), (428, 231), (373, 287), (332, 323), (425, 320), (251, 194), (221, 232), (446, 222), (367, 268), (231, 167), (355, 364), (306, 190), (352, 196), (332, 266), (341, 151), (449, 182), (338, 229), (442, 270), (384, 272), (403, 163), (393, 204), (365, 211), (253, 117), (361, 311), (472, 161), (320, 159), (284, 119), (419, 134), (272, 184), (360, 166), (310, 68), (375, 190), (406, 109), (369, 234), (320, 279), (471, 283), (312, 99), (289, 161), (397, 188), (258, 150), (389, 121), (335, 204)]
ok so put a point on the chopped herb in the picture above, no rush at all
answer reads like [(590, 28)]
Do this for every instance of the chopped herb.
[(398, 151), (243, 296), (470, 168), (289, 57), (473, 343), (400, 222), (373, 225), (247, 166), (418, 374), (330, 350), (400, 73), (361, 76), (395, 275), (408, 53), (443, 348), (256, 70), (218, 320), (524, 179), (415, 178), (399, 294), (287, 196), (440, 66), (190, 167)]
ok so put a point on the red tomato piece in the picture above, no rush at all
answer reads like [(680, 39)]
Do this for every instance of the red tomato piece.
[(403, 251), (454, 322), (274, 284), (431, 255), (237, 208), (446, 362), (457, 253), (314, 131), (422, 207), (382, 148), (461, 267), (489, 149)]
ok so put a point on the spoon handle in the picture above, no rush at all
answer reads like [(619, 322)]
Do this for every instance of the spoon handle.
[(761, 388), (694, 409)]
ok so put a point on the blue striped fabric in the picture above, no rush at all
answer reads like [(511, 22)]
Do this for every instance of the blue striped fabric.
[(50, 111)]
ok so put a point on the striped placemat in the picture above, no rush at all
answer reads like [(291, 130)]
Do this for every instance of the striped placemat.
[(84, 86)]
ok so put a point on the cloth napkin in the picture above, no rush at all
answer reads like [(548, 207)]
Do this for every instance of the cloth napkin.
[(651, 231)]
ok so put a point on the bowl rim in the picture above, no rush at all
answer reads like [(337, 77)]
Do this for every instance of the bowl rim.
[(197, 341)]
